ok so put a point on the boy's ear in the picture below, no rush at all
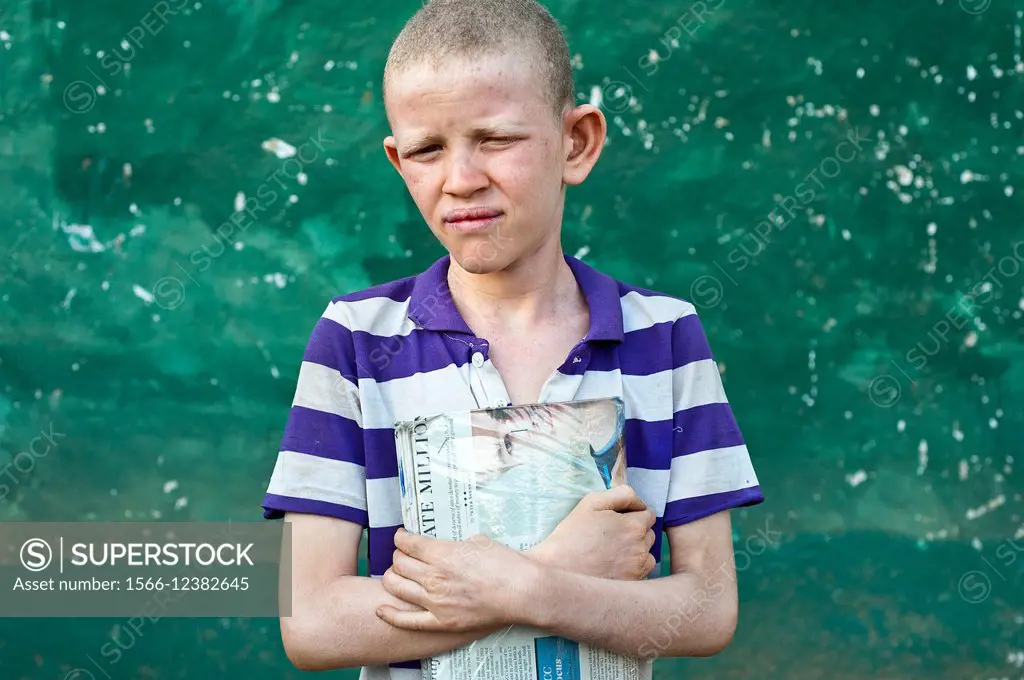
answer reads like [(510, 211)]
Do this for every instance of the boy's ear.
[(391, 149), (585, 129)]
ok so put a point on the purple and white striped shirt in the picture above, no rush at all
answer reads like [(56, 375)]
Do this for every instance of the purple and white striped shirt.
[(401, 350)]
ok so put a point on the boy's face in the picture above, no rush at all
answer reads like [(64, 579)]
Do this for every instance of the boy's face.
[(484, 156)]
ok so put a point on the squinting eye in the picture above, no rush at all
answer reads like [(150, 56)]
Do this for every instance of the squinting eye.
[(425, 150)]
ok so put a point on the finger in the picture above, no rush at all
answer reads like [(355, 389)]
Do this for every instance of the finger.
[(410, 567), (404, 589), (431, 584), (412, 544), (619, 498), (421, 621), (649, 565), (649, 539), (644, 519), (405, 606), (631, 502)]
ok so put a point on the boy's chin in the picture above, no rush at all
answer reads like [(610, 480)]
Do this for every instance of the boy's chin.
[(475, 260)]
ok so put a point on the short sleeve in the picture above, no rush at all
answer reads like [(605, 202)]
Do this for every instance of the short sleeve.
[(321, 466), (711, 469)]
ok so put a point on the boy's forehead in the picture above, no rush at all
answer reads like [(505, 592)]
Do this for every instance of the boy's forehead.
[(457, 89)]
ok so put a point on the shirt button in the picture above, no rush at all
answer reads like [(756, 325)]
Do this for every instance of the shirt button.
[(478, 359)]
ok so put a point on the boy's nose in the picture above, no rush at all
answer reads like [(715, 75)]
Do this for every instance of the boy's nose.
[(464, 176)]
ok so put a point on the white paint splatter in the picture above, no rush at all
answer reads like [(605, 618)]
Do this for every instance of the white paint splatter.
[(903, 175), (984, 509), (278, 147), (82, 239), (277, 278), (142, 293), (66, 304)]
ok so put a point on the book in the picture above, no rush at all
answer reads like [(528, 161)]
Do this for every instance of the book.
[(512, 474)]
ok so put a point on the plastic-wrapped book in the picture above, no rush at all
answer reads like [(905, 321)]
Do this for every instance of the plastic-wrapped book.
[(512, 474)]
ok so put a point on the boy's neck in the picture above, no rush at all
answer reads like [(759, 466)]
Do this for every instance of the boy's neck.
[(538, 289)]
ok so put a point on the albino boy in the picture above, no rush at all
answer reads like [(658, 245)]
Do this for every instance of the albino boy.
[(486, 136)]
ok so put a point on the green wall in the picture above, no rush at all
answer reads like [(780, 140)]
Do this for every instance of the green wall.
[(872, 337)]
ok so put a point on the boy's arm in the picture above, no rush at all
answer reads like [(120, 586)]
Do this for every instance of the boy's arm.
[(319, 487), (333, 624), (692, 612), (467, 584)]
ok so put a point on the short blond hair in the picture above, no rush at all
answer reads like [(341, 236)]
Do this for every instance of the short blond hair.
[(444, 29)]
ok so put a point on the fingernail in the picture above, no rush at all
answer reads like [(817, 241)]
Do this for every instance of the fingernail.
[(379, 613)]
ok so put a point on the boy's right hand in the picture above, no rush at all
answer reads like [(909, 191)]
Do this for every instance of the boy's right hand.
[(608, 534)]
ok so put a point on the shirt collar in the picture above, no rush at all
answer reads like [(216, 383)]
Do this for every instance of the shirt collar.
[(431, 305), (602, 294)]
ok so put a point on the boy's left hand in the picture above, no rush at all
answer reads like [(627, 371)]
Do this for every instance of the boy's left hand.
[(461, 586)]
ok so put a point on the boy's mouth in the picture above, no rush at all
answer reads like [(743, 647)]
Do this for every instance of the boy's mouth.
[(471, 219)]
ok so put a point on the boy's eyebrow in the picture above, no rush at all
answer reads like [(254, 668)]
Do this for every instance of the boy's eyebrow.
[(429, 138), (489, 130), (416, 142)]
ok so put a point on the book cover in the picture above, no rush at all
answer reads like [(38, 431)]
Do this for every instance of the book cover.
[(513, 474)]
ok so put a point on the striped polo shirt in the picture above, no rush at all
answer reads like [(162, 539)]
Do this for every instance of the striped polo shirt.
[(401, 350)]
